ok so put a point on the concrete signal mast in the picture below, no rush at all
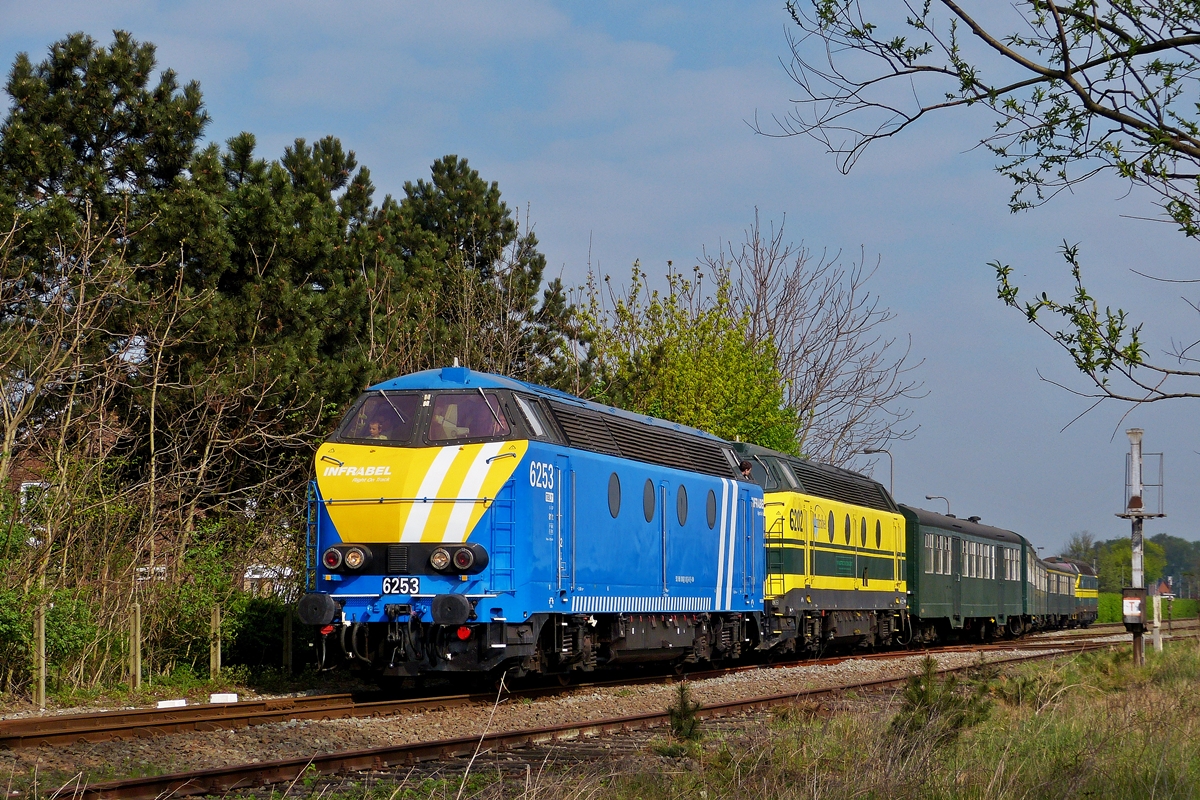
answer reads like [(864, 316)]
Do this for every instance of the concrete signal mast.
[(1133, 603)]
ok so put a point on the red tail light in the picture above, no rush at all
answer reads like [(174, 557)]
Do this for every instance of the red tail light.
[(332, 558), (463, 633)]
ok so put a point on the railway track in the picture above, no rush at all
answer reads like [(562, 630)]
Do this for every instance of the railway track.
[(140, 723), (246, 776)]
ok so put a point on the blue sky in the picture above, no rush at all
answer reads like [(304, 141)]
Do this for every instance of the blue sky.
[(622, 130)]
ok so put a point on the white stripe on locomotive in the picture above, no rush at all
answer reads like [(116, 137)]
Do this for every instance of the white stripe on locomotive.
[(721, 544), (733, 508), (418, 513), (456, 527)]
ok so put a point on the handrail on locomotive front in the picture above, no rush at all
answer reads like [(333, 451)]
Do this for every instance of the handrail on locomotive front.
[(385, 500)]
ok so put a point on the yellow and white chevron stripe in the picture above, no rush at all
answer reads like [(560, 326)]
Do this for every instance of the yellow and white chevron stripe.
[(412, 494)]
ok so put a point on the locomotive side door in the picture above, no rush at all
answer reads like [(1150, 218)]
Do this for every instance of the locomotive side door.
[(562, 510), (956, 562), (750, 554)]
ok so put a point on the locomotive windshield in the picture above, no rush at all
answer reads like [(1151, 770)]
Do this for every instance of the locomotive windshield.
[(418, 419), (475, 415), (381, 416)]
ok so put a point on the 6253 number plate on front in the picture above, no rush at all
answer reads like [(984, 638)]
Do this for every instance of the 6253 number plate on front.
[(401, 585)]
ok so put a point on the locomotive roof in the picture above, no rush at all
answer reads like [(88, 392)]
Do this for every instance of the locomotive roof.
[(1071, 565), (449, 378), (825, 480), (936, 520)]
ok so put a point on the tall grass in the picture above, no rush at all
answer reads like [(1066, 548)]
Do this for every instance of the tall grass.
[(1091, 726)]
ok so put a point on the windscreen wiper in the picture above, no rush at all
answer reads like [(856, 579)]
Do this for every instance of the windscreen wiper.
[(495, 416), (393, 405)]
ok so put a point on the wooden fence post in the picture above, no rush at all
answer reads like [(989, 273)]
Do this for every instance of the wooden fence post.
[(214, 647), (135, 647), (39, 656)]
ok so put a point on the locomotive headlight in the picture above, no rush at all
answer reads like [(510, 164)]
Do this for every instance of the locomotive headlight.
[(463, 558), (332, 558), (355, 558), (439, 559)]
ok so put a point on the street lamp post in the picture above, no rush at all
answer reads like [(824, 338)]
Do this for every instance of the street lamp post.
[(939, 497), (891, 467)]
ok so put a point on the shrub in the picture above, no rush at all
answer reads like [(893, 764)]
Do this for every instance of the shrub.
[(936, 710), (685, 724)]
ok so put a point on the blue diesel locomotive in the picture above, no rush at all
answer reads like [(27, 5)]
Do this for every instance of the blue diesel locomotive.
[(462, 521)]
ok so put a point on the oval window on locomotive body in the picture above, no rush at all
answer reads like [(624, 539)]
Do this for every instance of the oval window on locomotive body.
[(846, 529), (614, 495), (681, 505), (710, 508), (832, 525), (862, 530), (648, 500), (878, 535)]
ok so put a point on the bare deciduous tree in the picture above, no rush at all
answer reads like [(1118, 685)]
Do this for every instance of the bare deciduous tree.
[(847, 380)]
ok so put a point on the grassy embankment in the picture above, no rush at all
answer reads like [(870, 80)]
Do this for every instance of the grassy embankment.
[(1110, 608), (1090, 726)]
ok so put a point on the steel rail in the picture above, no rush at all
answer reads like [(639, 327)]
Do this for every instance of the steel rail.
[(142, 723), (220, 780)]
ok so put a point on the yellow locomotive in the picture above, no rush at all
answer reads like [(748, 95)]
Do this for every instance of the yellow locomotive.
[(835, 553)]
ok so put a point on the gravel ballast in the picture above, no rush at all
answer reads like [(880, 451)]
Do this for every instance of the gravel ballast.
[(300, 738)]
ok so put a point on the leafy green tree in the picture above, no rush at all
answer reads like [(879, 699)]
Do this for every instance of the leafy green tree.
[(1182, 556), (478, 276), (181, 322), (1075, 88), (687, 358), (1115, 558)]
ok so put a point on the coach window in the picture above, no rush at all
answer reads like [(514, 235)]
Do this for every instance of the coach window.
[(710, 506), (929, 554), (614, 495), (648, 500), (681, 508), (832, 525)]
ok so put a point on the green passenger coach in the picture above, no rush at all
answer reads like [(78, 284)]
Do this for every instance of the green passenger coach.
[(971, 579)]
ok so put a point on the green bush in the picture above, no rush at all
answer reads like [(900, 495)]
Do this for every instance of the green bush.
[(685, 724), (936, 710), (253, 628), (16, 631), (1109, 609)]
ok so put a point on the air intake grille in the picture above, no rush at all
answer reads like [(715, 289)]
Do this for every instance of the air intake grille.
[(584, 429), (397, 559), (616, 436), (837, 486)]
